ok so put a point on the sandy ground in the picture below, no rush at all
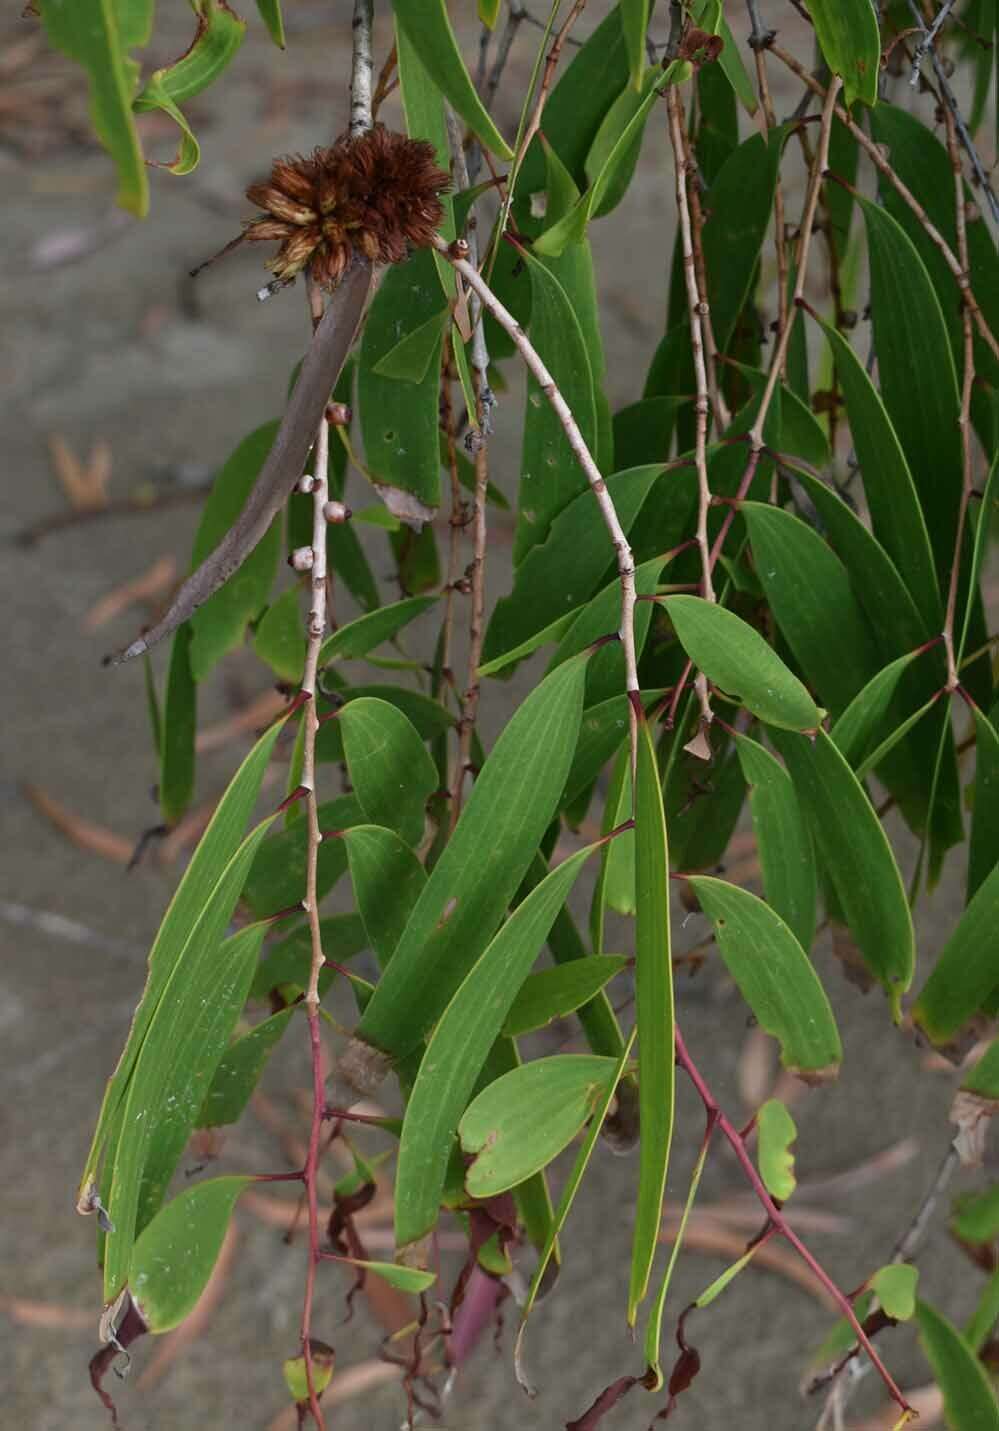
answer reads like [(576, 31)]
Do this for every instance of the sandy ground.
[(119, 346)]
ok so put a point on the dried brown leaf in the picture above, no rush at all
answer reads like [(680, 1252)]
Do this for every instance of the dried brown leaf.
[(97, 839), (86, 487), (152, 585)]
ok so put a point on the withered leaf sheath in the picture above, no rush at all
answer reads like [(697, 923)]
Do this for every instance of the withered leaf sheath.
[(377, 196)]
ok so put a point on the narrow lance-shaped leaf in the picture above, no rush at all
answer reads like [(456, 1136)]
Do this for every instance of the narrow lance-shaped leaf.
[(180, 720), (428, 29), (270, 13), (460, 1045), (366, 632), (776, 1132), (969, 1399), (98, 34), (279, 639), (508, 811), (654, 1008), (783, 840), (219, 35), (634, 23), (217, 844), (774, 976), (390, 768), (736, 658), (524, 1120), (855, 731), (848, 36), (983, 852), (855, 853), (174, 1258), (554, 993), (185, 1039), (965, 974), (388, 881), (239, 1071)]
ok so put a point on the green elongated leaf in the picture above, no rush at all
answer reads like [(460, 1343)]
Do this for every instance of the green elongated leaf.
[(774, 976), (848, 36), (717, 1287), (277, 877), (553, 632), (98, 34), (220, 624), (153, 707), (219, 35), (426, 25), (740, 209), (412, 356), (615, 886), (489, 12), (524, 1120), (388, 880), (880, 753), (508, 811), (969, 1399), (730, 62), (565, 569), (654, 1010), (423, 106), (976, 1216), (173, 1258), (550, 476), (185, 1038), (554, 993), (399, 418), (615, 123), (985, 1316), (279, 639), (983, 852), (855, 732), (965, 973), (895, 1288), (810, 594), (896, 514), (270, 13), (428, 717), (776, 1132), (604, 727), (460, 1045), (782, 840), (984, 1076), (634, 23), (855, 853), (735, 657), (362, 635), (390, 768), (180, 721), (403, 1279), (983, 532), (618, 150), (217, 844), (239, 1071), (288, 962), (918, 380)]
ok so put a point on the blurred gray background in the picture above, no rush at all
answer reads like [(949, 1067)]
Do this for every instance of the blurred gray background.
[(149, 381)]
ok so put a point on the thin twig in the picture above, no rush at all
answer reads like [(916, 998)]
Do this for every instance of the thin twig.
[(477, 624), (625, 560), (905, 194), (776, 1219), (929, 36), (964, 421), (951, 106), (362, 68), (759, 40)]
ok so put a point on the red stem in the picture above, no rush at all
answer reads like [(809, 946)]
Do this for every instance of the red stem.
[(777, 1219)]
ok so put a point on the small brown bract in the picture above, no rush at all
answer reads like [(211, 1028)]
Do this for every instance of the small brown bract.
[(376, 197)]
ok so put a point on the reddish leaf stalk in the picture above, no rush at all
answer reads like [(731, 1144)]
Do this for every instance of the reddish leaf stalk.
[(776, 1218)]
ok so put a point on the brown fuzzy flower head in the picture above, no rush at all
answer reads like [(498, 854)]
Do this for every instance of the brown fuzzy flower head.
[(376, 196)]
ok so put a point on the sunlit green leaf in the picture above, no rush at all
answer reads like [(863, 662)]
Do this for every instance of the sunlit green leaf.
[(98, 34), (782, 840), (965, 972), (524, 1120), (736, 658), (428, 29), (774, 976), (969, 1399), (508, 811), (895, 1288), (460, 1044), (855, 853), (390, 768), (775, 1132), (554, 993), (654, 1010), (174, 1257), (848, 36)]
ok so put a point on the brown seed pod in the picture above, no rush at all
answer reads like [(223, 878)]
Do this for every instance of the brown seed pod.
[(377, 196)]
